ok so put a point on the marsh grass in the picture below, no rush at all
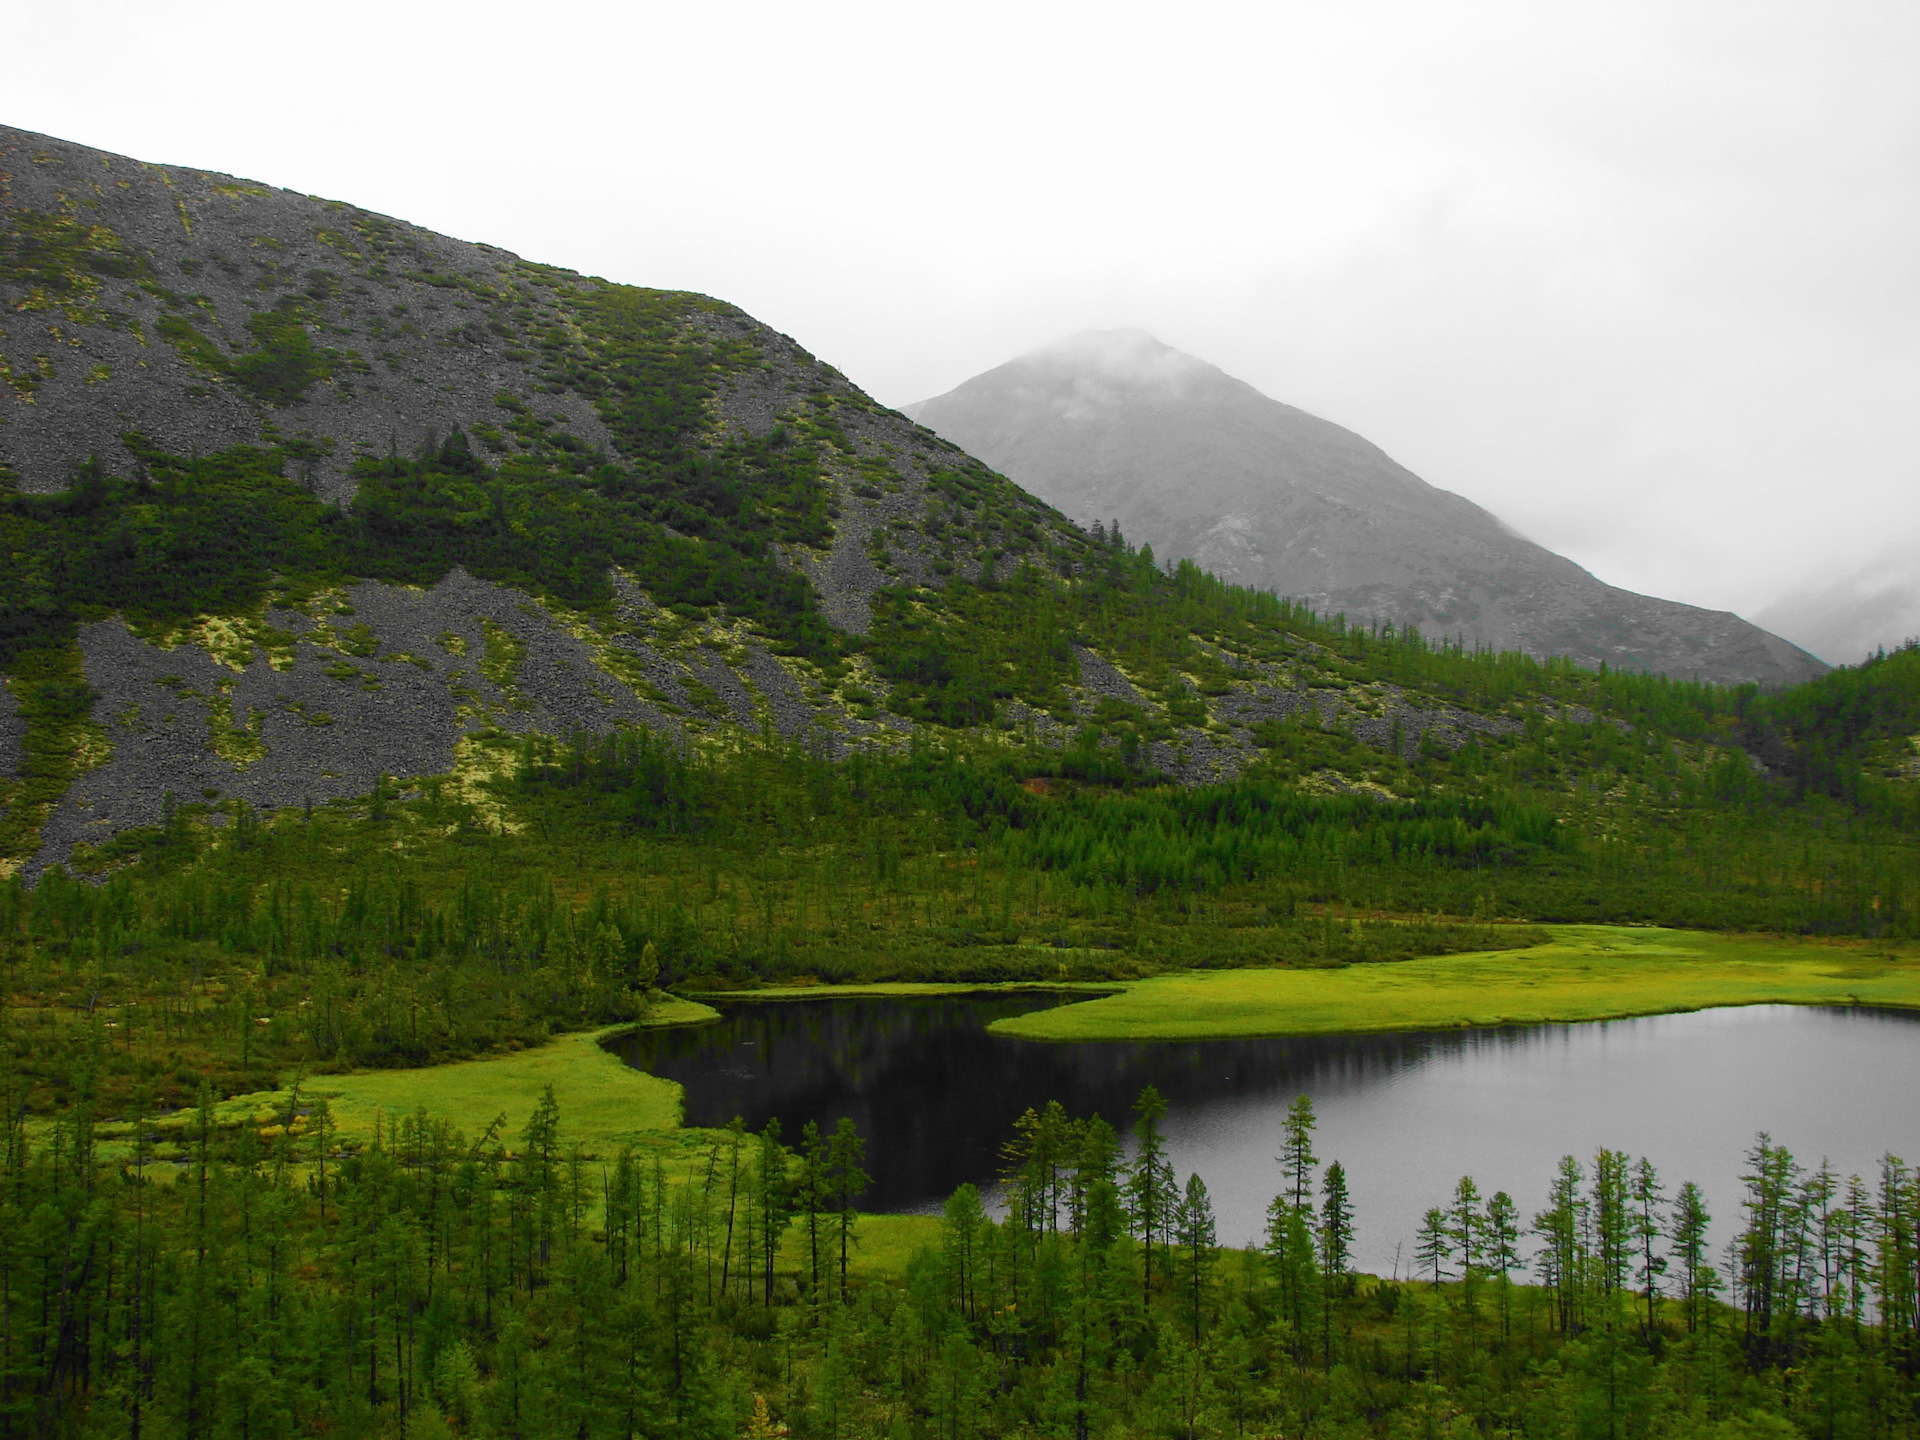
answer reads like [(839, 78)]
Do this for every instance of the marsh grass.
[(604, 1102), (1586, 972)]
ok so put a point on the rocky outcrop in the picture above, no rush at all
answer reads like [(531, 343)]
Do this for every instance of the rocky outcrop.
[(12, 732), (375, 680)]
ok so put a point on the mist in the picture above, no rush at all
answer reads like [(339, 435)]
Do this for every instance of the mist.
[(1637, 277)]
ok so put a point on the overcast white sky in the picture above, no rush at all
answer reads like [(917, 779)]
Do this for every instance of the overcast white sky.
[(1642, 278)]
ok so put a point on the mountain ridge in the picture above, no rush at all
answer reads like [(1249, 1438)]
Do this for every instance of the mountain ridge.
[(325, 751), (1115, 425)]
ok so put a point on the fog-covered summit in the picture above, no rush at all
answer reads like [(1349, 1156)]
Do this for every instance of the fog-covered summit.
[(1109, 366), (1115, 425)]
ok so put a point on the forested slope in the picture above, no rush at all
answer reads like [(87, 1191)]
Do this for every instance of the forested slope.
[(226, 405), (309, 508), (267, 548)]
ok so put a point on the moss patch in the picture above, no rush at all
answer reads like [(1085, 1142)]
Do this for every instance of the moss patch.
[(60, 261)]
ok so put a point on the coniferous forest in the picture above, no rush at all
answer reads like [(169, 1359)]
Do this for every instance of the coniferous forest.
[(434, 1283), (205, 1277)]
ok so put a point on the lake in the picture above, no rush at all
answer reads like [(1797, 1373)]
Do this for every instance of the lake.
[(935, 1096)]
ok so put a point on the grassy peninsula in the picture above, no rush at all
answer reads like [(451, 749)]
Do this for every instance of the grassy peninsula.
[(606, 1102), (1585, 972), (1580, 973)]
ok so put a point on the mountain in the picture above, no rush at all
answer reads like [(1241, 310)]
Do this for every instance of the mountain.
[(295, 495), (1114, 425), (306, 509)]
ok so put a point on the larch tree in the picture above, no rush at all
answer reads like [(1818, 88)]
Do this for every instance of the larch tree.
[(1195, 1237)]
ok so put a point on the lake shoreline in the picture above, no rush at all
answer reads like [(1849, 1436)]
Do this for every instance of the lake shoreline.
[(1185, 1005), (1587, 973), (936, 1089)]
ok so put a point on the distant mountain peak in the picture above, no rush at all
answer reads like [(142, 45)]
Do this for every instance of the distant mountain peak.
[(1118, 425)]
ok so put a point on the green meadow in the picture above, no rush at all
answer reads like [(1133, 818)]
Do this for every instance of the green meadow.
[(1586, 972), (604, 1103)]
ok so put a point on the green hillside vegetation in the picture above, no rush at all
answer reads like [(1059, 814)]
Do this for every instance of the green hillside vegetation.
[(1852, 735), (1627, 769), (435, 921), (693, 509), (607, 1103)]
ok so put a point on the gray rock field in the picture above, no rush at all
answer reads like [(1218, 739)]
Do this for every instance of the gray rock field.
[(419, 354), (12, 731)]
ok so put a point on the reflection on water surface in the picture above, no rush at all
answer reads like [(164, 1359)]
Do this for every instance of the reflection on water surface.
[(1407, 1113)]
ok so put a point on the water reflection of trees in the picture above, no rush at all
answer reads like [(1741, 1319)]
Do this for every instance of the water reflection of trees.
[(936, 1094)]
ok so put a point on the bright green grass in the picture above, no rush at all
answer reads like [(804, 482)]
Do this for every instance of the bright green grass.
[(898, 988), (603, 1102), (1588, 972), (882, 1244)]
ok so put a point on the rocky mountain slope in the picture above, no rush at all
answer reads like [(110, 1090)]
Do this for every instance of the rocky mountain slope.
[(1116, 426), (199, 312), (201, 373), (301, 505)]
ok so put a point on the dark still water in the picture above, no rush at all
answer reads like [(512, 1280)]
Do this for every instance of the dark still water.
[(1407, 1114)]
